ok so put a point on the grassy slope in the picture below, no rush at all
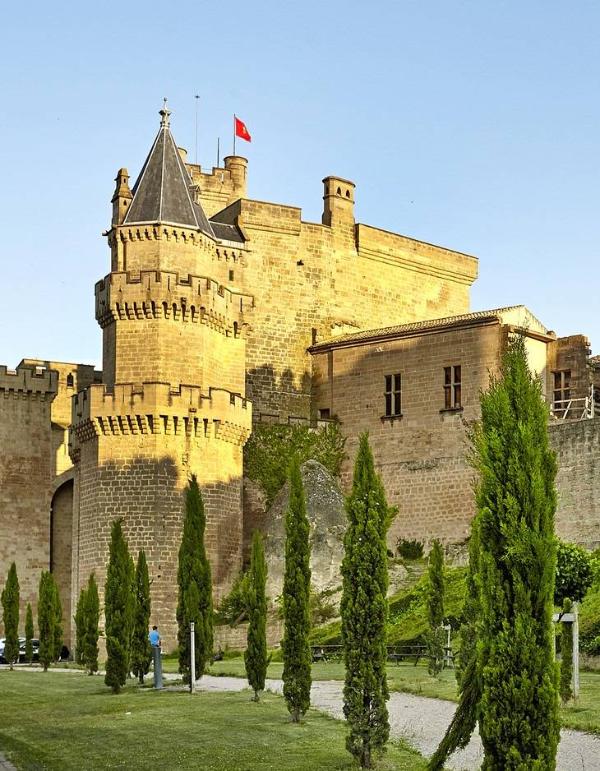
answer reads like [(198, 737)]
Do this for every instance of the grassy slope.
[(408, 611), (71, 721)]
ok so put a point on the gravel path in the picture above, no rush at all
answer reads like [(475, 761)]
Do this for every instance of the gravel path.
[(422, 721)]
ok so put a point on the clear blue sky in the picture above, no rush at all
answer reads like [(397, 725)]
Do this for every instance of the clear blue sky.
[(474, 125)]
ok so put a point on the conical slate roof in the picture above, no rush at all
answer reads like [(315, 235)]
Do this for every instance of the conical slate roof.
[(162, 192)]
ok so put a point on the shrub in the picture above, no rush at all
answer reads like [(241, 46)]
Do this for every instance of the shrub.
[(10, 616), (574, 573), (118, 608), (255, 656), (410, 550), (234, 607)]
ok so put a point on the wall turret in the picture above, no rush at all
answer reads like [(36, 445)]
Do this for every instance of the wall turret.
[(121, 198), (238, 169), (338, 203)]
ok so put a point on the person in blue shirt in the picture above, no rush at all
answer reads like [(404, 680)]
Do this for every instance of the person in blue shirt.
[(154, 637)]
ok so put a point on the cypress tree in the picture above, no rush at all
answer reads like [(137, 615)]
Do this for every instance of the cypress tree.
[(58, 626), (79, 619), (118, 610), (194, 600), (10, 616), (46, 619), (255, 656), (516, 501), (435, 609), (364, 611), (90, 627), (296, 601), (566, 655), (29, 632), (141, 650), (464, 720)]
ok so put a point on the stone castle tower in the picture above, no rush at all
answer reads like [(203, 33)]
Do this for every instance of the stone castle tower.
[(172, 398)]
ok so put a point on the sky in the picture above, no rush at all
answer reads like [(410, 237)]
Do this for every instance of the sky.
[(472, 124)]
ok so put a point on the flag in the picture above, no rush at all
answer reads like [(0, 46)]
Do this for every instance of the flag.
[(241, 130)]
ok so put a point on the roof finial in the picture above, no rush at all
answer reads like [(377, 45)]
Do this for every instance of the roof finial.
[(164, 114)]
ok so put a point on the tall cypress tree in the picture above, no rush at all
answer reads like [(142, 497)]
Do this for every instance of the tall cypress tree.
[(514, 691), (364, 611), (516, 500), (10, 616), (435, 609), (118, 610), (296, 601), (90, 627), (194, 600), (79, 619), (464, 720), (29, 633), (255, 656), (141, 650), (46, 619), (58, 625)]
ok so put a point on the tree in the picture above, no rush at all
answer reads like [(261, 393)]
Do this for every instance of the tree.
[(194, 600), (58, 628), (47, 619), (364, 611), (296, 601), (29, 632), (141, 650), (118, 610), (255, 656), (435, 609), (516, 501), (10, 616), (463, 723), (79, 619), (574, 572), (90, 628)]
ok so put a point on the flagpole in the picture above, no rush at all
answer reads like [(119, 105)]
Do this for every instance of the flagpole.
[(196, 97), (234, 133), (218, 151)]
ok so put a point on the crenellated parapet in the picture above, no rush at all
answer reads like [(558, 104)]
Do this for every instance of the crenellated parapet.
[(155, 408), (163, 294), (29, 381)]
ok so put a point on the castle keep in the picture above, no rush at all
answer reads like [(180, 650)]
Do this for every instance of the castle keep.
[(220, 312)]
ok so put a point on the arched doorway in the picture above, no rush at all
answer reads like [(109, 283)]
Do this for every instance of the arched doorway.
[(61, 540)]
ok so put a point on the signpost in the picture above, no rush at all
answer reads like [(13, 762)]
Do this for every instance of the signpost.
[(192, 657)]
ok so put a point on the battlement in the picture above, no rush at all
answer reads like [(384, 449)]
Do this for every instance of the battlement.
[(29, 380), (155, 408), (163, 294)]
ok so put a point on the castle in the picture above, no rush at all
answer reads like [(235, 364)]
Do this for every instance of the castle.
[(220, 312)]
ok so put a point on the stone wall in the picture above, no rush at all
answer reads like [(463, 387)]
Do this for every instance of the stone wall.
[(577, 446), (26, 471), (421, 454)]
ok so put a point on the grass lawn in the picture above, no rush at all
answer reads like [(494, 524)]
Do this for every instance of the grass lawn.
[(64, 720), (584, 715)]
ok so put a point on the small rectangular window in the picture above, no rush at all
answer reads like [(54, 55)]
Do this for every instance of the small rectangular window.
[(325, 413), (452, 387), (231, 275), (393, 395)]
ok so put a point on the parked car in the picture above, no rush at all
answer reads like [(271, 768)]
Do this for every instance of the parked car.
[(36, 650)]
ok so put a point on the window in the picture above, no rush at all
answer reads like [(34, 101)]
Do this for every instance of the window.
[(70, 380), (452, 388), (231, 275), (561, 395), (393, 395), (324, 414)]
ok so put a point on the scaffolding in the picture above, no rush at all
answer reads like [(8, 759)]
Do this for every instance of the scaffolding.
[(582, 408)]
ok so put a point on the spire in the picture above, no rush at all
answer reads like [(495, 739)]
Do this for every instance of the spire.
[(164, 114), (163, 192)]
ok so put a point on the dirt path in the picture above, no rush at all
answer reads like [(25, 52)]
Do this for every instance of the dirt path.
[(422, 721)]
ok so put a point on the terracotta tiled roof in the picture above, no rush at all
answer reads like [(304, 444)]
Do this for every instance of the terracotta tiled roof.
[(429, 324)]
